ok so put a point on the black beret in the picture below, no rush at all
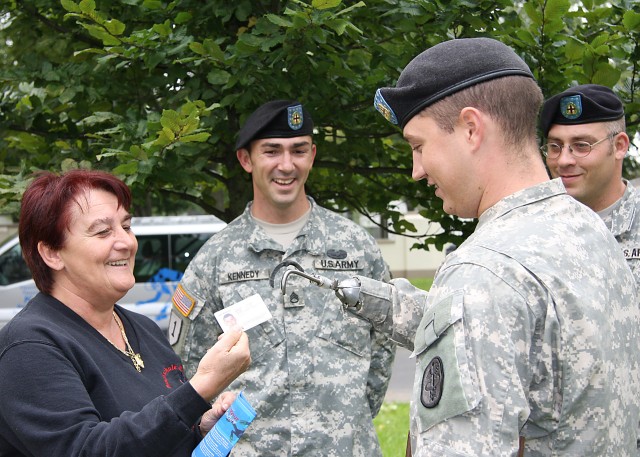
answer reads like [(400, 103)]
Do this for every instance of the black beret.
[(444, 69), (581, 105), (275, 119)]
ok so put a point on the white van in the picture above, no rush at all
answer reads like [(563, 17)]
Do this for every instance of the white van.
[(166, 245)]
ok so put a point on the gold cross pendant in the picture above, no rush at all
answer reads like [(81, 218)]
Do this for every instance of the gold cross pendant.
[(137, 362)]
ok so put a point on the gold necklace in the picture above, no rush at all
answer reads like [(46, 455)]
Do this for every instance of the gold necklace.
[(135, 358)]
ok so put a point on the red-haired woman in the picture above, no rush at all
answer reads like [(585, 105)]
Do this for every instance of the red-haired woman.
[(80, 375)]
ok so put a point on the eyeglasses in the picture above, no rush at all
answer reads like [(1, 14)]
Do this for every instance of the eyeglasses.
[(576, 149)]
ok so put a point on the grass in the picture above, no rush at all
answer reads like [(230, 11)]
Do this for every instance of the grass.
[(392, 422), (392, 425), (421, 283)]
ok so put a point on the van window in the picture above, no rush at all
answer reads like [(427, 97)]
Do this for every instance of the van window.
[(13, 268), (163, 258), (185, 247), (151, 256)]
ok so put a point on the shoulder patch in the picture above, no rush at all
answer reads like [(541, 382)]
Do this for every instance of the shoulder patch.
[(182, 301), (175, 329), (432, 383)]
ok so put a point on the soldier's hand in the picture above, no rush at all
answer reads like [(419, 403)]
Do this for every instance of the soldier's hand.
[(348, 292)]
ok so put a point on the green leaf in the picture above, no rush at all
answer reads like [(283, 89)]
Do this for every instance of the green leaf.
[(100, 33), (195, 137), (170, 119), (67, 95), (250, 40), (183, 17), (169, 133), (351, 8), (325, 4), (69, 164), (154, 58), (631, 20), (126, 169), (99, 117), (89, 51), (574, 49), (339, 25), (556, 9), (526, 37), (163, 29), (138, 153), (600, 40), (87, 6), (218, 77), (115, 27), (602, 50), (162, 140), (606, 75), (213, 49), (533, 13), (70, 6), (198, 48), (152, 4), (107, 153), (279, 20)]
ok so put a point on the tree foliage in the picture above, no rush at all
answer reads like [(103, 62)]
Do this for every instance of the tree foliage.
[(155, 90)]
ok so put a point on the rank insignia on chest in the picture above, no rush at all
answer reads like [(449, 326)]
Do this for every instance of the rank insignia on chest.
[(293, 300), (432, 383)]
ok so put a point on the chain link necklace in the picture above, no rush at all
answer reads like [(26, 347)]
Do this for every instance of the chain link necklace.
[(135, 358)]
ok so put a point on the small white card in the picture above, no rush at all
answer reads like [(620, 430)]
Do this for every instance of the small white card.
[(246, 313)]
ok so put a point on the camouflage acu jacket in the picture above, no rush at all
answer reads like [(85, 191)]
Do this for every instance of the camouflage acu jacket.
[(318, 375), (624, 223), (531, 329)]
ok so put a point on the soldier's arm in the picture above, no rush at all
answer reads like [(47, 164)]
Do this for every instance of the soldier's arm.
[(394, 308)]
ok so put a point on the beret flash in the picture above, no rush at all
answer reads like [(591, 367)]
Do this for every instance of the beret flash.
[(444, 69), (275, 119), (581, 105)]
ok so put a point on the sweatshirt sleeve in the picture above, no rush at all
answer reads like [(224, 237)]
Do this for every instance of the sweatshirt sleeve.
[(45, 409)]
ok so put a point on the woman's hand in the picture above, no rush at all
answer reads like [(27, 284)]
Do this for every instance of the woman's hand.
[(222, 363), (221, 405)]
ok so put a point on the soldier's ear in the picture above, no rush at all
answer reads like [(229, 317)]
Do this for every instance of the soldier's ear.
[(244, 157), (621, 145)]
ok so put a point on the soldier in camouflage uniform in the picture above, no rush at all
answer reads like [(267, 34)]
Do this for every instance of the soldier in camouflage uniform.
[(589, 120), (528, 339), (318, 375)]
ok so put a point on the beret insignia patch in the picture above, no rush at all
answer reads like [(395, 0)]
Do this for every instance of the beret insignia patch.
[(571, 106), (432, 382), (383, 107), (295, 117)]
